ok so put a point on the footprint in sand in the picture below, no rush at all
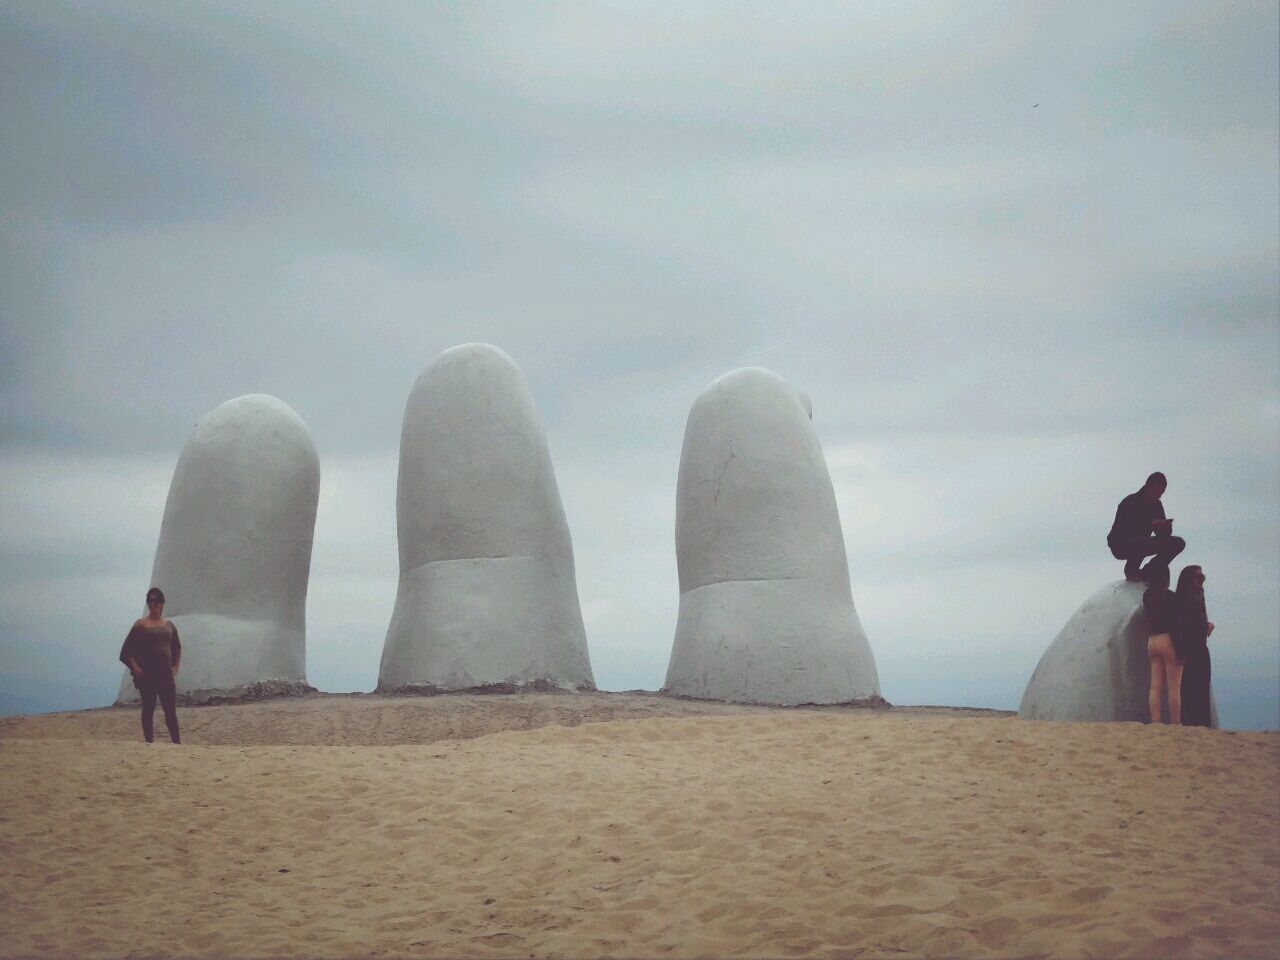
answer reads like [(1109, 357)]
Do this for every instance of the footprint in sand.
[(1084, 896), (994, 933)]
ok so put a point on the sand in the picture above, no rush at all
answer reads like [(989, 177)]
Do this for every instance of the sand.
[(632, 825)]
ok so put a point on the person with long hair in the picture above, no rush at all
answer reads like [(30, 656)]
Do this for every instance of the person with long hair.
[(152, 652), (1194, 628), (1166, 664)]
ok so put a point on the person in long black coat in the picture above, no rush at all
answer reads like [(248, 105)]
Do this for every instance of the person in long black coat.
[(1194, 628)]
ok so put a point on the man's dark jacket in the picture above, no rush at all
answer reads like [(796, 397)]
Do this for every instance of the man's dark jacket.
[(1133, 519)]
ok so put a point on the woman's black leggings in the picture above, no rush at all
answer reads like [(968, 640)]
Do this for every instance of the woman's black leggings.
[(160, 684)]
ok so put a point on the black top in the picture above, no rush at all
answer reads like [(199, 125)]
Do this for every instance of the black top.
[(1133, 518), (155, 649), (1162, 611)]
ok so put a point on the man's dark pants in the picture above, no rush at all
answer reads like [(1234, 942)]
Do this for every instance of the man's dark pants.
[(1134, 551)]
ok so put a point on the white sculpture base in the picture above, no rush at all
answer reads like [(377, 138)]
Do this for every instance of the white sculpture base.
[(480, 623), (732, 644)]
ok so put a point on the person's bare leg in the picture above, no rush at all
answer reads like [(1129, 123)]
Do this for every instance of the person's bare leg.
[(1155, 695)]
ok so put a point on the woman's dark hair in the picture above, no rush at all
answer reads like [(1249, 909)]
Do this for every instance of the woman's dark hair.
[(155, 593), (1187, 579), (1157, 577), (1195, 621)]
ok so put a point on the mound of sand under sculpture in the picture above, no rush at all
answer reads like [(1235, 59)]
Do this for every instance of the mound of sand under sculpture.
[(487, 595), (1097, 668), (766, 613), (234, 554)]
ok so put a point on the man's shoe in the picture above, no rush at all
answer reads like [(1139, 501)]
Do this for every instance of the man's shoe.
[(1131, 572)]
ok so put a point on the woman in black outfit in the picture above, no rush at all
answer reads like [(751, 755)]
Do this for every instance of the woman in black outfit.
[(152, 651), (1194, 629), (1160, 604)]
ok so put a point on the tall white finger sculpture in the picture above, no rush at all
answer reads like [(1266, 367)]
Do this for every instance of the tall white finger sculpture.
[(766, 614), (487, 595), (234, 554)]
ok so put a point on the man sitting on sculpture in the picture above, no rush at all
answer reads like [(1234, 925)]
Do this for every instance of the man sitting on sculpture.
[(1141, 530)]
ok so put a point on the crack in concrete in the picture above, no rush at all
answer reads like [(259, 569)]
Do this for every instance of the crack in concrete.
[(715, 583), (720, 478), (427, 563)]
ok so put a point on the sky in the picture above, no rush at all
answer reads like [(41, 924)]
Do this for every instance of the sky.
[(1019, 255)]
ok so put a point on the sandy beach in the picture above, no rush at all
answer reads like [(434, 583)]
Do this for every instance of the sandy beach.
[(632, 825)]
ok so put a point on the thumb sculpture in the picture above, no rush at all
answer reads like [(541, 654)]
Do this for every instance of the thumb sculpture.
[(766, 614), (487, 596), (1097, 667), (234, 554)]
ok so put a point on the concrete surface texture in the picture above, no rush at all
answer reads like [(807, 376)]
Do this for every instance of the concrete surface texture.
[(487, 594), (1097, 667), (234, 554), (766, 613)]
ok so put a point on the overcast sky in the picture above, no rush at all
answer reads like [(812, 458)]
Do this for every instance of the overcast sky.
[(1019, 255)]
